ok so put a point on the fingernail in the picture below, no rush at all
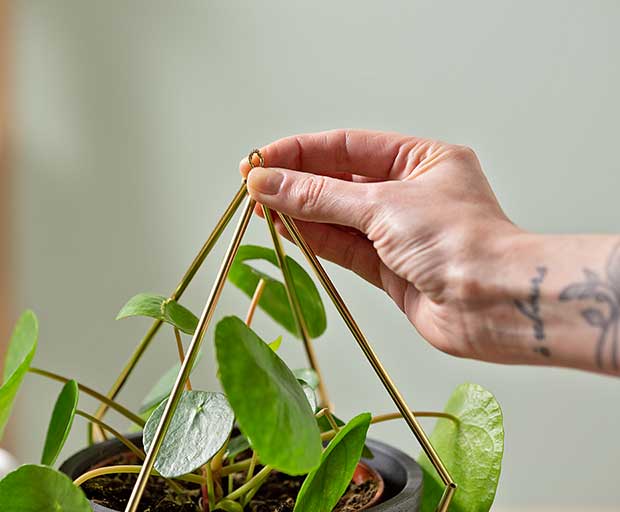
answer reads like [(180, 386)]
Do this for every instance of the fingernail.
[(265, 181)]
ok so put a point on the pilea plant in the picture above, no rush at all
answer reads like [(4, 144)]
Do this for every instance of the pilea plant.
[(269, 425)]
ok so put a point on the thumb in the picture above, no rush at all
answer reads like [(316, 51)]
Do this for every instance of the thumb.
[(314, 198)]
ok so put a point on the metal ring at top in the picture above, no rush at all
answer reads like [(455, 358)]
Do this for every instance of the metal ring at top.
[(261, 160)]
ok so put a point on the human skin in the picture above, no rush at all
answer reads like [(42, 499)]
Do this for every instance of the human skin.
[(417, 218)]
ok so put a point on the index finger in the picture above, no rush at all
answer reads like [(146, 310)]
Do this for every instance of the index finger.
[(373, 154)]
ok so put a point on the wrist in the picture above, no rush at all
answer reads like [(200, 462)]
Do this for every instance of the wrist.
[(549, 300), (490, 277)]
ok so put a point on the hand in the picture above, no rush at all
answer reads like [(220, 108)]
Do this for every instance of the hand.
[(414, 217)]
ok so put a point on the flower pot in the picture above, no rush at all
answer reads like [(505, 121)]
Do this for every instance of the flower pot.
[(402, 477)]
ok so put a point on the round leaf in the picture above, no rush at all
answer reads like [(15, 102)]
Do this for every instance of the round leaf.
[(472, 451), (33, 488), (161, 308), (199, 428), (308, 375), (271, 407), (60, 424), (274, 300), (21, 350), (324, 486)]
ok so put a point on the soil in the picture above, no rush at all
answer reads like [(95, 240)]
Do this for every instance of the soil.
[(277, 494)]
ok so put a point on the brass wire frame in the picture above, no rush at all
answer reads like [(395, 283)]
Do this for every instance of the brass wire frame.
[(330, 289)]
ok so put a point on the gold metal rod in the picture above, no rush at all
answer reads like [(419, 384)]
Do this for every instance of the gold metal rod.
[(293, 299), (178, 292), (446, 497), (190, 358), (370, 354)]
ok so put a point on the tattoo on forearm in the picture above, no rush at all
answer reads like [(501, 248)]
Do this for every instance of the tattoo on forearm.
[(531, 309), (603, 308)]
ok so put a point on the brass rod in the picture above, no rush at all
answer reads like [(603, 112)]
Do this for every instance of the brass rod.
[(446, 498), (178, 292), (190, 358), (298, 315), (370, 354)]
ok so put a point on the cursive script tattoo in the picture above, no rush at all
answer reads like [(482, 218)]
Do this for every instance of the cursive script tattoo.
[(603, 308), (531, 309)]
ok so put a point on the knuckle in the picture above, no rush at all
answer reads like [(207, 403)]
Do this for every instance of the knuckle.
[(463, 153)]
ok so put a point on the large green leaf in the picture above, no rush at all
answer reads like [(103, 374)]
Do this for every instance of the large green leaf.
[(271, 407), (274, 300), (163, 387), (472, 451), (324, 486), (199, 428), (60, 423), (21, 350), (160, 308), (33, 488)]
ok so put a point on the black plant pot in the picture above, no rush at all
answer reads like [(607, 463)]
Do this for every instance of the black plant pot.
[(401, 474)]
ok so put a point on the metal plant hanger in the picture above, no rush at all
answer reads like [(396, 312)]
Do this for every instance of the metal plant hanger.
[(207, 315)]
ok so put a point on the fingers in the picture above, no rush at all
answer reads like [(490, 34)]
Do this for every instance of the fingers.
[(350, 250), (314, 198), (377, 155)]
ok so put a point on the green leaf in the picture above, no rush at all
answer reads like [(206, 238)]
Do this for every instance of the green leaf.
[(199, 428), (60, 424), (271, 406), (237, 445), (310, 396), (324, 486), (274, 300), (21, 350), (275, 344), (472, 451), (160, 308), (325, 426), (308, 375), (163, 387), (33, 488)]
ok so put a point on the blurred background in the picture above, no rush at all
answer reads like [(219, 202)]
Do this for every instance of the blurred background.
[(127, 121)]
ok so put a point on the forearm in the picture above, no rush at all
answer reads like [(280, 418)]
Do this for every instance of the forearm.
[(555, 300)]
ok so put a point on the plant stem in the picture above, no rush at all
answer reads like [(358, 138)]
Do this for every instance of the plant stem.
[(296, 307), (332, 421), (177, 335), (137, 451), (246, 499), (178, 292), (123, 469), (257, 480), (330, 434), (230, 483), (210, 488), (258, 292), (95, 394), (236, 467), (418, 414), (253, 461)]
